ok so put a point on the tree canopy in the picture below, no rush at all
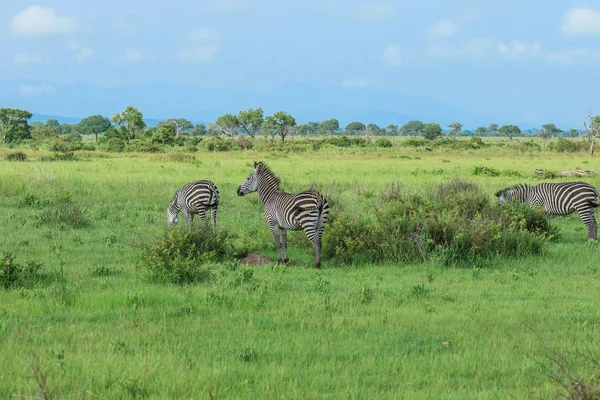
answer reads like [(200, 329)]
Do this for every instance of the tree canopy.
[(13, 125), (280, 123), (132, 120)]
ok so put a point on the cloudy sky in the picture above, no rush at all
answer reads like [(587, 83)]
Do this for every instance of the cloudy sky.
[(490, 55)]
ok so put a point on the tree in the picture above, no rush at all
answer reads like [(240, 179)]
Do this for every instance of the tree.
[(493, 128), (548, 131), (132, 120), (13, 125), (355, 127), (94, 125), (181, 125), (481, 131), (164, 134), (432, 131), (510, 131), (573, 133), (329, 126), (251, 120), (227, 124), (393, 129), (306, 129), (414, 127), (199, 130), (280, 123), (455, 128), (592, 125), (53, 123), (375, 130)]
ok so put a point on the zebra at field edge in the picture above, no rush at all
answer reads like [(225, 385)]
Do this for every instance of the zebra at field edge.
[(558, 199), (307, 210), (194, 198)]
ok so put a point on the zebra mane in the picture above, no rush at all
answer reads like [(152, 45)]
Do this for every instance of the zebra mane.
[(515, 187), (263, 168)]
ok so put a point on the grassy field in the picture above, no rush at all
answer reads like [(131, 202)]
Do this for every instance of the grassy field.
[(100, 328)]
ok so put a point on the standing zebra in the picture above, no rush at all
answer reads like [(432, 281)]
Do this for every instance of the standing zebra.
[(194, 198), (305, 211), (558, 199)]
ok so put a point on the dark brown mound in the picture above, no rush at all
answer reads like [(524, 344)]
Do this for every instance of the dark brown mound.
[(256, 259)]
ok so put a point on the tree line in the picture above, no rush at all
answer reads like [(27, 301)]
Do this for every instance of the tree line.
[(129, 124)]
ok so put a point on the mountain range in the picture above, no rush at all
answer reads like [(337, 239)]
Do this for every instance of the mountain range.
[(68, 103)]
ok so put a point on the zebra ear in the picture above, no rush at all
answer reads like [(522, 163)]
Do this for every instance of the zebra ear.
[(498, 193), (255, 164)]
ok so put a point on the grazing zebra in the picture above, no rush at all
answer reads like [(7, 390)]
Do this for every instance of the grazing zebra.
[(558, 199), (305, 211), (194, 198)]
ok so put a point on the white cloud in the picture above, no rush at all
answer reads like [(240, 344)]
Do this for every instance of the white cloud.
[(202, 46), (443, 29), (33, 90), (376, 11), (82, 52), (392, 55), (358, 83), (40, 21), (135, 56), (581, 21), (29, 59)]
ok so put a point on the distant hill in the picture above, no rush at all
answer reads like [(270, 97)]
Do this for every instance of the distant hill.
[(71, 102)]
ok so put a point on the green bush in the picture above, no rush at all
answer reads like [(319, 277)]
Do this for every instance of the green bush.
[(65, 213), (13, 275), (383, 142), (186, 255), (115, 145), (489, 171), (218, 144), (16, 156), (144, 147), (454, 223), (563, 145), (414, 142)]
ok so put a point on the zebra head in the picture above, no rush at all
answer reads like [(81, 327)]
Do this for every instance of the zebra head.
[(172, 212), (513, 193), (250, 185)]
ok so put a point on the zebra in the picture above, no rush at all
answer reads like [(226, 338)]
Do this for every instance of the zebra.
[(194, 198), (307, 210), (558, 199)]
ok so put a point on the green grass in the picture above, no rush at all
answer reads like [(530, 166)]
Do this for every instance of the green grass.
[(361, 331)]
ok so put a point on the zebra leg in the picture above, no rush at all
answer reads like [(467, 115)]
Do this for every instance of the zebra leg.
[(284, 245), (276, 234), (213, 215), (202, 214), (587, 216), (189, 218), (315, 239)]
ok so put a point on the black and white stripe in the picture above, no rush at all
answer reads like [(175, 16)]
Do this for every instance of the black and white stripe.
[(558, 199), (194, 198), (307, 211)]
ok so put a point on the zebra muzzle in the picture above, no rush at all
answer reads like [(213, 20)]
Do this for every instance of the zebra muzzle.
[(239, 191)]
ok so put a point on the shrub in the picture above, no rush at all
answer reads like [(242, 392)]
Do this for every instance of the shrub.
[(13, 275), (16, 156), (184, 256), (563, 145), (65, 212), (383, 142), (414, 142), (218, 144), (144, 147), (454, 224), (115, 145), (489, 171), (242, 143)]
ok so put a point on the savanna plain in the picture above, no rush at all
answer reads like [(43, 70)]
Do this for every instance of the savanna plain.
[(94, 323)]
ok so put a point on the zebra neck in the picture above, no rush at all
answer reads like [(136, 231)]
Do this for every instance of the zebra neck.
[(267, 185)]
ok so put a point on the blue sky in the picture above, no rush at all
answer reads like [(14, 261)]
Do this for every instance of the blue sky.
[(521, 59)]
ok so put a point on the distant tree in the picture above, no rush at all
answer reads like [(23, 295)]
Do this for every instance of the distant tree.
[(510, 131), (481, 131), (280, 123), (94, 125), (182, 125), (306, 129), (213, 129), (355, 127), (392, 130), (53, 123), (198, 130), (432, 131), (131, 120), (64, 129), (251, 120), (227, 124), (165, 134), (548, 131), (375, 130), (13, 125), (493, 128), (592, 125), (572, 133), (455, 129), (412, 128), (329, 126)]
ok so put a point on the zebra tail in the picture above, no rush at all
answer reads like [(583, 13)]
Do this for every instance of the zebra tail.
[(323, 206)]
